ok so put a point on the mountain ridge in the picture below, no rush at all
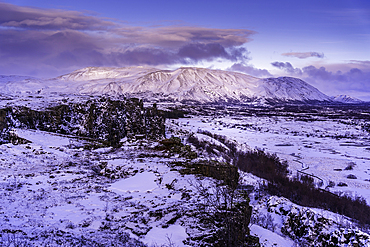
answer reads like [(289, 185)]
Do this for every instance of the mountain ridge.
[(346, 99), (182, 84), (195, 84)]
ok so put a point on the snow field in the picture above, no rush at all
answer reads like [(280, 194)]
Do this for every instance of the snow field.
[(49, 184), (303, 144)]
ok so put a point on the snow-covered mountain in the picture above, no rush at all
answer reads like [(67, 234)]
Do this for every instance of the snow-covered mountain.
[(195, 84), (346, 99), (96, 73)]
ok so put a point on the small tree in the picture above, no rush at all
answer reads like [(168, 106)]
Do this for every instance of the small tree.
[(228, 209)]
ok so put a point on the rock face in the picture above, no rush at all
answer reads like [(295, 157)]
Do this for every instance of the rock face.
[(311, 228), (103, 119)]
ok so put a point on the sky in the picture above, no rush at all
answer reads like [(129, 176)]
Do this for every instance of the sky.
[(326, 43)]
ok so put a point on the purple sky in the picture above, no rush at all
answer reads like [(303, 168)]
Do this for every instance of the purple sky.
[(326, 43)]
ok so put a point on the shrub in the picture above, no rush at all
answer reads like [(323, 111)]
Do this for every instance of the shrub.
[(341, 184), (351, 176), (331, 184), (350, 166), (300, 190)]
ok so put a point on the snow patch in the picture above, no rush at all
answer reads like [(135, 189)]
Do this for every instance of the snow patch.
[(141, 182), (174, 234)]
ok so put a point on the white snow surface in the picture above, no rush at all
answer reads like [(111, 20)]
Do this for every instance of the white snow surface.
[(48, 184), (269, 238), (55, 196), (311, 146), (346, 99), (143, 182), (195, 84), (159, 236)]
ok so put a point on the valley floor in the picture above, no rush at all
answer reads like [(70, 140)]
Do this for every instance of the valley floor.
[(57, 190), (310, 147)]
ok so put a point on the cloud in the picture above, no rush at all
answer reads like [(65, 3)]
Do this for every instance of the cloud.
[(287, 67), (250, 70), (198, 51), (36, 40), (303, 55), (350, 16), (48, 19), (356, 77), (143, 55), (361, 63), (355, 81), (175, 36)]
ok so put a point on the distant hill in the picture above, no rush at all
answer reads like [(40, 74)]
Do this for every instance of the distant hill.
[(346, 99)]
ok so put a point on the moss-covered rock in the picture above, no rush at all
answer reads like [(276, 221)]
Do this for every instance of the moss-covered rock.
[(175, 146), (225, 172)]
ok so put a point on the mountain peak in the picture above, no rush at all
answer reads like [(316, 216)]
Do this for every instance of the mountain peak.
[(97, 73), (346, 99)]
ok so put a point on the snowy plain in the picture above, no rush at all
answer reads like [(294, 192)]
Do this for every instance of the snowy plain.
[(311, 146), (49, 184)]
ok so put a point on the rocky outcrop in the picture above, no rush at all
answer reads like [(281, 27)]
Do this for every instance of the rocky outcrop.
[(311, 228), (103, 119)]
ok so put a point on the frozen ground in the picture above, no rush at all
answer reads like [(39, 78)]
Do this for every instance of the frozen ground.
[(311, 147), (56, 189), (51, 183), (270, 239)]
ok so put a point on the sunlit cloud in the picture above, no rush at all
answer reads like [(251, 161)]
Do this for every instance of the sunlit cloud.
[(33, 40), (359, 62), (175, 36), (49, 19)]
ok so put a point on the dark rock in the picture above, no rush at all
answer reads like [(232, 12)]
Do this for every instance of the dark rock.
[(104, 119), (341, 184), (351, 176)]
